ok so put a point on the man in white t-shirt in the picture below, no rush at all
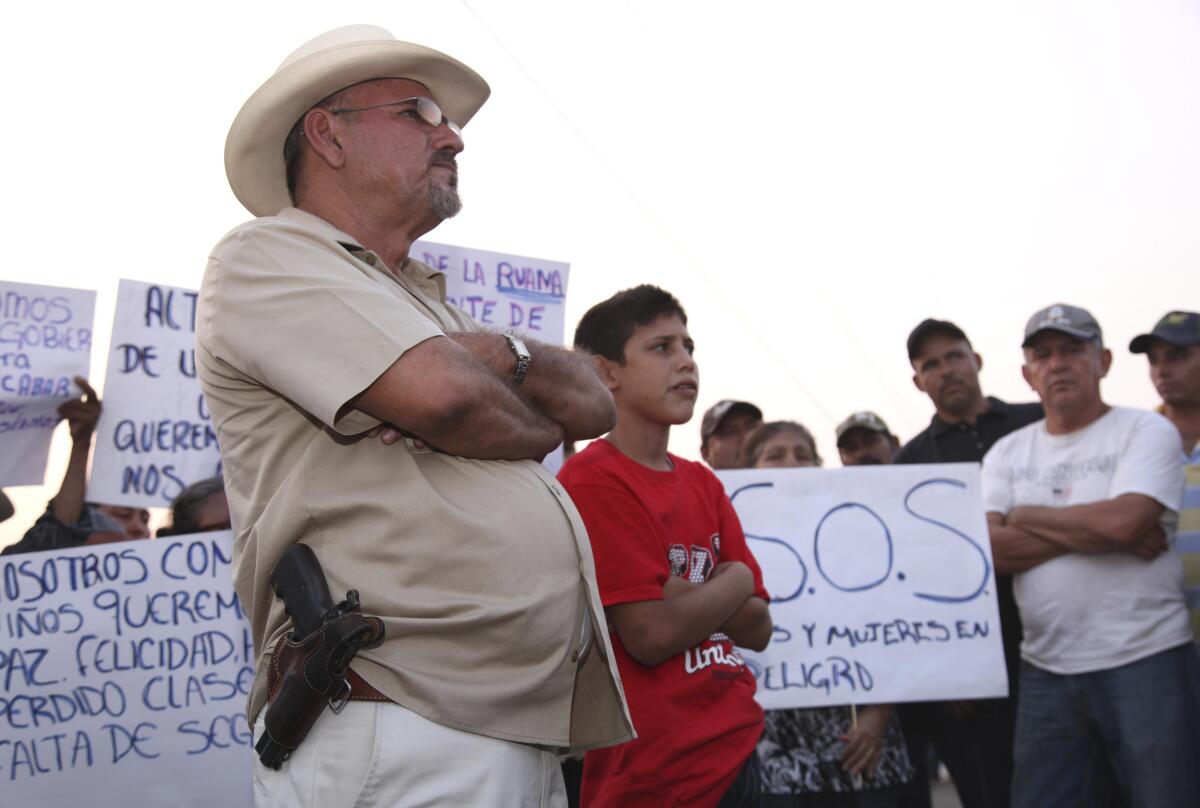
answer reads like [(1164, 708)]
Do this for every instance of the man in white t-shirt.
[(1081, 508)]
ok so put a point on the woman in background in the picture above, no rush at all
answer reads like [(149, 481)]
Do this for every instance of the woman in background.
[(822, 756)]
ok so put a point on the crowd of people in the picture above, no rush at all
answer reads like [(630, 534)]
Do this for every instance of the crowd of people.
[(1095, 515), (363, 416)]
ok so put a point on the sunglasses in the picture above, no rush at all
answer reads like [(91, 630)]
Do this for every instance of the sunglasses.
[(426, 108)]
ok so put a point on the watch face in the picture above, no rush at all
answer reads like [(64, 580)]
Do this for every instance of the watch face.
[(518, 347)]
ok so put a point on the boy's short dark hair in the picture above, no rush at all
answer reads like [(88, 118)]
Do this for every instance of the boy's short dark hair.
[(608, 325)]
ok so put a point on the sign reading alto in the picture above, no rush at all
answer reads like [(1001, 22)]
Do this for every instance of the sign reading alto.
[(155, 436), (45, 341), (881, 582), (124, 670)]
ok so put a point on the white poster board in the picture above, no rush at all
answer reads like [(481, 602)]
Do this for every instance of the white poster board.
[(504, 292), (881, 581), (45, 341), (124, 671), (155, 436)]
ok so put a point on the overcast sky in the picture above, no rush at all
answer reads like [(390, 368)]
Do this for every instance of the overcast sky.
[(811, 179)]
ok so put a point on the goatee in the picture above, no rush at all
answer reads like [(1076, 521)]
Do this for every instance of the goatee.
[(443, 200)]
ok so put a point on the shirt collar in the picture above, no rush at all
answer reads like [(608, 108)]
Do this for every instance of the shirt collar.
[(995, 409), (417, 271)]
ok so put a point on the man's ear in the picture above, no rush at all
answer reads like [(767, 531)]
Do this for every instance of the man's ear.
[(917, 382), (1025, 375), (978, 362), (319, 131), (1105, 361), (606, 370)]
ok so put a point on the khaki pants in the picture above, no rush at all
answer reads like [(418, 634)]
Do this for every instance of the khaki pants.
[(380, 755)]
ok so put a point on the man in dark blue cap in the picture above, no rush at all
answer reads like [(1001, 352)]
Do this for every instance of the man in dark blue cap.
[(1173, 348)]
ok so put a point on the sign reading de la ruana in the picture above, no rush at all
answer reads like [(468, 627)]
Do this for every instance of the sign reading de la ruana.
[(45, 342), (501, 291), (881, 581), (155, 436)]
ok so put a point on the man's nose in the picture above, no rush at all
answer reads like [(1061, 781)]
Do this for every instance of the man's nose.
[(445, 138)]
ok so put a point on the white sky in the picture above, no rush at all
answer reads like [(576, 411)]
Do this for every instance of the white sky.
[(810, 178)]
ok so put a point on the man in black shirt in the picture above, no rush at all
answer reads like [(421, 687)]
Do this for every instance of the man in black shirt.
[(973, 739)]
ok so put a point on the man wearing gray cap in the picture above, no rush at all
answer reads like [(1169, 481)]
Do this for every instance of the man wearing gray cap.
[(1082, 507), (723, 431), (863, 439), (361, 415), (1173, 348)]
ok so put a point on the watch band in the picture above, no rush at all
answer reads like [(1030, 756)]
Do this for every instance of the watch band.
[(523, 359)]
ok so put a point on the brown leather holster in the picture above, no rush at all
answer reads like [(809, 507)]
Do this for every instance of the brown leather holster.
[(309, 673)]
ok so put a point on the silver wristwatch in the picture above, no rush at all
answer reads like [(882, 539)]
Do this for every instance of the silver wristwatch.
[(523, 359)]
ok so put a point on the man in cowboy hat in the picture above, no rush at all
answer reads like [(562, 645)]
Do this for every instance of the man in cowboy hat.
[(360, 414)]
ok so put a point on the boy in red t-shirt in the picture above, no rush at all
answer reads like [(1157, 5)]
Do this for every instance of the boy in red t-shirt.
[(679, 586)]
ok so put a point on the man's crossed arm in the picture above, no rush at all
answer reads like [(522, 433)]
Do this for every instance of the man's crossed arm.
[(455, 393), (1031, 535)]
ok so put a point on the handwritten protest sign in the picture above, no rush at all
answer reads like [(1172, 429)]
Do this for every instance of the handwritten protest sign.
[(155, 436), (881, 581), (45, 341), (124, 670), (505, 292)]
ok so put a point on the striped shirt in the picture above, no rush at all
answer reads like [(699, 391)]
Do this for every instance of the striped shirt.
[(1187, 540)]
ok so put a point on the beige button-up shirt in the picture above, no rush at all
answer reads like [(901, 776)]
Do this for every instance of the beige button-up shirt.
[(480, 569)]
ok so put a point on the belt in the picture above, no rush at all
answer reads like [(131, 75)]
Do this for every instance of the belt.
[(361, 690)]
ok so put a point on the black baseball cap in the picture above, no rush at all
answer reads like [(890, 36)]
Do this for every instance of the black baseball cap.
[(1181, 328), (927, 328)]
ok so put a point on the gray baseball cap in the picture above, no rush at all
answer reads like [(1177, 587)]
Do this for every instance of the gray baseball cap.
[(1070, 320), (864, 419), (1180, 328), (717, 412)]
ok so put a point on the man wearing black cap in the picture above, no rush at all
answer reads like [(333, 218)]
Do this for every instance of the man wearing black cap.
[(1081, 508), (723, 431), (1173, 348), (975, 739)]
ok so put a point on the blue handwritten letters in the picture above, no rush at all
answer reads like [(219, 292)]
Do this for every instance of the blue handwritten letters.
[(155, 436), (504, 292), (45, 341), (124, 670), (881, 581)]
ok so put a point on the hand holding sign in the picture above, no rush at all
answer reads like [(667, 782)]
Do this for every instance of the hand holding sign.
[(81, 414)]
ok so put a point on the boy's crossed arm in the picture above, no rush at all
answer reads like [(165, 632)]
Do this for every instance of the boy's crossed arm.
[(653, 631)]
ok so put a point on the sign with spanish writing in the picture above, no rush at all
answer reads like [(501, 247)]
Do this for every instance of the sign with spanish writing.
[(124, 671), (881, 582), (155, 436), (504, 292), (45, 341)]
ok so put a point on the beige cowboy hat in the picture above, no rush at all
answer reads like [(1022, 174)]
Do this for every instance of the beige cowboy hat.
[(321, 67)]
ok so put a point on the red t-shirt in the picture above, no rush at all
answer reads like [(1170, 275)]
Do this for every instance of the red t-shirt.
[(695, 714)]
